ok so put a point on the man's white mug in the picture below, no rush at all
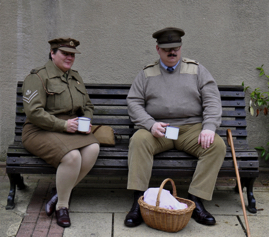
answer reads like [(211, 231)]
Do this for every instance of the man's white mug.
[(171, 132), (83, 124)]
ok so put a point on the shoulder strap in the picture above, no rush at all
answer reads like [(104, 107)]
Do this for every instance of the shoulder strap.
[(35, 71), (189, 66), (187, 60), (152, 69)]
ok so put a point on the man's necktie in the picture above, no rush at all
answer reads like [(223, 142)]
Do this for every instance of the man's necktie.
[(170, 69)]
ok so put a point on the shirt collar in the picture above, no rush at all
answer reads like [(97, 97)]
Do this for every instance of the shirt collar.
[(165, 67), (53, 71)]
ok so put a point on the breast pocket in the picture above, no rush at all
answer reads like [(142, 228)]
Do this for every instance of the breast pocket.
[(80, 95), (59, 98)]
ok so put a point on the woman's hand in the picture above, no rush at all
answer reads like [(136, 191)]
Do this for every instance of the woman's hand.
[(90, 128), (72, 125)]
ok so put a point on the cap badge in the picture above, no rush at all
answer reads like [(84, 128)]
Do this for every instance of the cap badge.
[(72, 43), (170, 38)]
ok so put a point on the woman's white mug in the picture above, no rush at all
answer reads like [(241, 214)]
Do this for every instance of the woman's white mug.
[(83, 124)]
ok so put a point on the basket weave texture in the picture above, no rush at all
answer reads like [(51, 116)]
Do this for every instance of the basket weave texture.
[(166, 219)]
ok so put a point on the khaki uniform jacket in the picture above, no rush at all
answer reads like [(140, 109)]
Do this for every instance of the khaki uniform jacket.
[(47, 93)]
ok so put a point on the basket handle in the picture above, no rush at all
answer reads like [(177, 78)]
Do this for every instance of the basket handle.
[(161, 188)]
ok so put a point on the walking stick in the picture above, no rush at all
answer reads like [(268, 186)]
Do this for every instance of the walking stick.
[(231, 144)]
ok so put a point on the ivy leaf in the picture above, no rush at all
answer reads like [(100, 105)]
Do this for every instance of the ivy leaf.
[(258, 112), (245, 89), (261, 73), (260, 102), (251, 111), (267, 156), (263, 153), (260, 147)]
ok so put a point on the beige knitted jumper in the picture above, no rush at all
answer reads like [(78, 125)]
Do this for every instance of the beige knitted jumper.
[(188, 95)]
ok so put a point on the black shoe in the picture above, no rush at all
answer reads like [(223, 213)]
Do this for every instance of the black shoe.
[(51, 204), (134, 217), (200, 214)]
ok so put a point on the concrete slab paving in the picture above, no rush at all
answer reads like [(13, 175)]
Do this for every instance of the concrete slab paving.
[(101, 200), (11, 219), (228, 202), (100, 210), (90, 225), (10, 222), (226, 226), (258, 225)]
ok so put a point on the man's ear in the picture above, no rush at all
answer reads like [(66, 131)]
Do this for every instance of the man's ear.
[(158, 49)]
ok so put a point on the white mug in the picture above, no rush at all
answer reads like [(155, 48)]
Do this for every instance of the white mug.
[(83, 124), (171, 132)]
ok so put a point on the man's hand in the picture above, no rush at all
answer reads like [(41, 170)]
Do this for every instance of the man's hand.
[(158, 129), (72, 125), (206, 138)]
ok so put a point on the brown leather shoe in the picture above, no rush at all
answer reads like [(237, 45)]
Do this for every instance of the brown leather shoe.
[(134, 217), (51, 204), (62, 217), (200, 214)]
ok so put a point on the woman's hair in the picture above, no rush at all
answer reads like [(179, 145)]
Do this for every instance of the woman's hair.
[(54, 51)]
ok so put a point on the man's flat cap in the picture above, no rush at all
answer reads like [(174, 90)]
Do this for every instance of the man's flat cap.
[(169, 37), (65, 44)]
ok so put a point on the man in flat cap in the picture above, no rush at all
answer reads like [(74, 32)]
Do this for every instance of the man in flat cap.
[(179, 92)]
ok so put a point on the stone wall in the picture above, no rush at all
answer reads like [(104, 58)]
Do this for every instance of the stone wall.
[(229, 37)]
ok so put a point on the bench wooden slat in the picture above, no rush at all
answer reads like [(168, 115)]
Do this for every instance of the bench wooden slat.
[(109, 152), (117, 121), (239, 113), (124, 172), (234, 123), (169, 164), (130, 131), (232, 94), (235, 103)]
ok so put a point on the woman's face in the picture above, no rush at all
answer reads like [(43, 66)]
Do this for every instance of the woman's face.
[(63, 60)]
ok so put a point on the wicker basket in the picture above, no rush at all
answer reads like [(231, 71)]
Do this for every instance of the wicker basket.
[(165, 219)]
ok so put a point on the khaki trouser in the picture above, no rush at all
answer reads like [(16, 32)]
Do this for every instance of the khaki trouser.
[(143, 146)]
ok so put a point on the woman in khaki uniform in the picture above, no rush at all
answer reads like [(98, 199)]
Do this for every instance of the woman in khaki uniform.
[(54, 96)]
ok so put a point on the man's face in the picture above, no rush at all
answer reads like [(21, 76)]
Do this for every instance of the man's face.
[(63, 60), (171, 57)]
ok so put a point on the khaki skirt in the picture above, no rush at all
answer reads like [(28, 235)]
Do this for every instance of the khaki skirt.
[(53, 146)]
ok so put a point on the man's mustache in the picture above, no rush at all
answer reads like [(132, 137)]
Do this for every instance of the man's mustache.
[(171, 55)]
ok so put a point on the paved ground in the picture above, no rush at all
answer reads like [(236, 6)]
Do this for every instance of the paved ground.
[(99, 205)]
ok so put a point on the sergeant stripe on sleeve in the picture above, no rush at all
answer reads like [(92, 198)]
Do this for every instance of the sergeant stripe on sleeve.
[(28, 100)]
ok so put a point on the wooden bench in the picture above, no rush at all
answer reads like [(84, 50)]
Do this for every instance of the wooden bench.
[(111, 109)]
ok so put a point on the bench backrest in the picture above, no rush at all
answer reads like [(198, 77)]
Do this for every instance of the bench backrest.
[(111, 109)]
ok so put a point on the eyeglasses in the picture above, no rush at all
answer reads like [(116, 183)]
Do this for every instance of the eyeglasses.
[(171, 49), (68, 54)]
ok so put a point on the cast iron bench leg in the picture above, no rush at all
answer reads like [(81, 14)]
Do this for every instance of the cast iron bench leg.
[(14, 180), (248, 183)]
